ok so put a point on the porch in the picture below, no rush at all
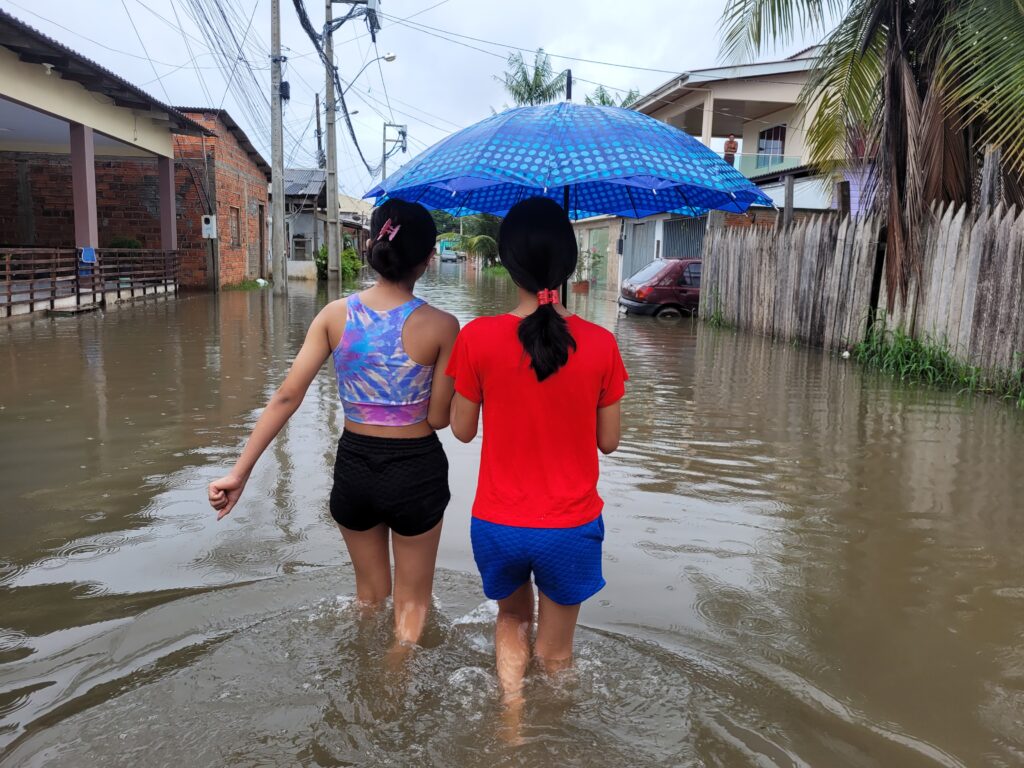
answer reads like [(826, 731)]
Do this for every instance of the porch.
[(88, 212)]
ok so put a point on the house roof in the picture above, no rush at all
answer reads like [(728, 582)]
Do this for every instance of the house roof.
[(803, 61), (34, 47), (304, 182), (235, 130), (349, 204)]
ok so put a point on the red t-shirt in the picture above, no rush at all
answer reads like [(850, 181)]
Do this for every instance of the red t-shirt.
[(539, 462)]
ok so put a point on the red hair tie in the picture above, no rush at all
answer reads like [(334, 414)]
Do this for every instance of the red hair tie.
[(548, 296)]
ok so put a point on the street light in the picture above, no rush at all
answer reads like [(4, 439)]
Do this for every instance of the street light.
[(389, 57)]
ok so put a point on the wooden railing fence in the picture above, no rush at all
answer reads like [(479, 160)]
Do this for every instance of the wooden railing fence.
[(46, 276)]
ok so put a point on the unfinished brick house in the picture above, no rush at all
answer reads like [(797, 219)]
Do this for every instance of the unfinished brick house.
[(224, 175)]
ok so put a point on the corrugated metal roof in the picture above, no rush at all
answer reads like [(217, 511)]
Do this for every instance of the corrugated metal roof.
[(33, 46), (302, 182)]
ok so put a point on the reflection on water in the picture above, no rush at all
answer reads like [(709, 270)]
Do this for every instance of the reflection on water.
[(806, 565)]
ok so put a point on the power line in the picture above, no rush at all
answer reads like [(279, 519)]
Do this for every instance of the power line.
[(384, 85), (316, 38), (233, 68)]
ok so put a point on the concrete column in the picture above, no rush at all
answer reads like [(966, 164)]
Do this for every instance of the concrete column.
[(709, 116), (83, 186), (168, 214)]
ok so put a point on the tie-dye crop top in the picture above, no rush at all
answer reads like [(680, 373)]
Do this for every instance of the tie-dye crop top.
[(378, 382)]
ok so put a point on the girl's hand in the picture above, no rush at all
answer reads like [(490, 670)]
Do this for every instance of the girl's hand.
[(224, 493)]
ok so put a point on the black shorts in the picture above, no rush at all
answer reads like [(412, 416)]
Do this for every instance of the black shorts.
[(402, 483)]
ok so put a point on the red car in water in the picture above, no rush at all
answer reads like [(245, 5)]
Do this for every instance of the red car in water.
[(664, 288)]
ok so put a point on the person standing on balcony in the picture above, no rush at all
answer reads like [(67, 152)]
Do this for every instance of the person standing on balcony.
[(731, 148)]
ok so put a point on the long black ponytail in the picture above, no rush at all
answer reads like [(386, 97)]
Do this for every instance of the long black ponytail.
[(537, 245)]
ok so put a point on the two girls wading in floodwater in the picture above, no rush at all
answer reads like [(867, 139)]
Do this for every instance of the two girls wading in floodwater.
[(548, 384)]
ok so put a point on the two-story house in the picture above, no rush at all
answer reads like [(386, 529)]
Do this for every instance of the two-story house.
[(755, 105)]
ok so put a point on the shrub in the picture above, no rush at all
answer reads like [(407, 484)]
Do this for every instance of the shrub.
[(351, 265), (125, 242), (320, 257)]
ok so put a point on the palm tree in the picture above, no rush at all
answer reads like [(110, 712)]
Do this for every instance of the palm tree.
[(529, 86), (911, 91), (602, 98), (483, 246)]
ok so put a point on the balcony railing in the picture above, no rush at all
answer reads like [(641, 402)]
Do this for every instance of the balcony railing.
[(757, 164), (56, 278)]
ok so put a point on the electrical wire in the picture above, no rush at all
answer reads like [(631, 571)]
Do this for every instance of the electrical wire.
[(316, 39), (383, 84)]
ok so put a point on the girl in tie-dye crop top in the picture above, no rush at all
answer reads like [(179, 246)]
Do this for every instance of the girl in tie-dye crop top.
[(378, 382)]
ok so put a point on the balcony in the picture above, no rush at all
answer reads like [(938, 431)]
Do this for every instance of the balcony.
[(754, 164)]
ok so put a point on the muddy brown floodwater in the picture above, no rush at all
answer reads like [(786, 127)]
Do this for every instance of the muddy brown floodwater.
[(807, 565)]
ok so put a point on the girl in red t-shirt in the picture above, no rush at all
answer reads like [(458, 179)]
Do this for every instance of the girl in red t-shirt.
[(549, 384)]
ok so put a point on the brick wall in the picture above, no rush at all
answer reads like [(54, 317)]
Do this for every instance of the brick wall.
[(237, 183), (37, 208)]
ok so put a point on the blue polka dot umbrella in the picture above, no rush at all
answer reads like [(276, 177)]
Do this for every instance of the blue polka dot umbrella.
[(603, 160)]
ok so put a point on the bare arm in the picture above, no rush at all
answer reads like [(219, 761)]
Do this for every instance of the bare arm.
[(465, 418), (439, 414), (609, 428), (224, 493)]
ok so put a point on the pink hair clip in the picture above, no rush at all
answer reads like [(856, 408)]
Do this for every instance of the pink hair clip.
[(389, 231)]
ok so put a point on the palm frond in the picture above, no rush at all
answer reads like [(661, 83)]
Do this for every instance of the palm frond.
[(749, 26), (983, 68), (843, 91)]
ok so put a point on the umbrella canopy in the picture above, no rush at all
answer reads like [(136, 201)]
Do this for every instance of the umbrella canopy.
[(610, 160)]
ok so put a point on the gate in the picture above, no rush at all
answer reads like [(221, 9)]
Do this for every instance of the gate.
[(638, 248), (684, 238)]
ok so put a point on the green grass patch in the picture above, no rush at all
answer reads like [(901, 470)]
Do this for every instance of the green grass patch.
[(895, 353), (496, 270), (245, 285), (717, 317)]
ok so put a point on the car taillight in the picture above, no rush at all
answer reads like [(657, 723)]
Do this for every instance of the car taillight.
[(643, 293)]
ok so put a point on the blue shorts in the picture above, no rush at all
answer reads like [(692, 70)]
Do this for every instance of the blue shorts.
[(565, 562)]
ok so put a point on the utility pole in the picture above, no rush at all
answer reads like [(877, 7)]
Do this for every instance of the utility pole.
[(403, 135), (320, 159), (333, 251), (279, 264)]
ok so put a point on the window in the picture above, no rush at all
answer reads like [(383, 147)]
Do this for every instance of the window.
[(691, 276), (771, 146), (648, 273), (235, 219)]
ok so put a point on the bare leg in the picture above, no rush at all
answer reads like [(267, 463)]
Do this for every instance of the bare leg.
[(556, 625), (371, 561), (415, 557), (512, 640)]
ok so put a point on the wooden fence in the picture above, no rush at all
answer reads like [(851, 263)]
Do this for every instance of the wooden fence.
[(813, 282), (809, 282), (54, 278), (969, 295)]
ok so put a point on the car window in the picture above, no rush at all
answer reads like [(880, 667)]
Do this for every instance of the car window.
[(647, 273), (691, 276)]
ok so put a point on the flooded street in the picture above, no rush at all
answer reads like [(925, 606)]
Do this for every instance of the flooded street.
[(807, 565)]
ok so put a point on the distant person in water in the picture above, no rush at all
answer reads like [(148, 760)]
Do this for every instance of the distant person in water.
[(549, 384), (391, 473)]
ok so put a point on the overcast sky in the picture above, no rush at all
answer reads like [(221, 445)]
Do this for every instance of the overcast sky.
[(435, 85)]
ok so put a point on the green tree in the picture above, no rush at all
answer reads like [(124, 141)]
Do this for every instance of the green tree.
[(910, 92), (531, 85), (484, 247), (602, 98)]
